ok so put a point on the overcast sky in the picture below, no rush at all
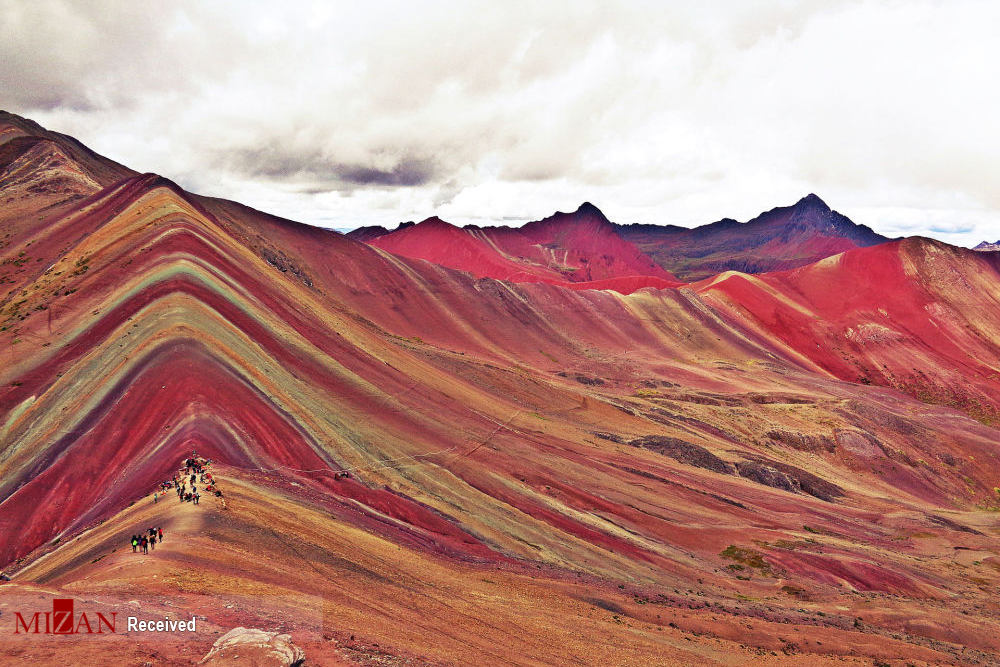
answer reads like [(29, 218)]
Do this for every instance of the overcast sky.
[(489, 112)]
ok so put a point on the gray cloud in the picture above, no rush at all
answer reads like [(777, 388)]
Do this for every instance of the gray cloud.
[(658, 112), (319, 173), (408, 172)]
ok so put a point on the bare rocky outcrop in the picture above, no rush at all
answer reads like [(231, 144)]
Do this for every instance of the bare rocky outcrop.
[(683, 451), (250, 647), (858, 443), (788, 478), (802, 441)]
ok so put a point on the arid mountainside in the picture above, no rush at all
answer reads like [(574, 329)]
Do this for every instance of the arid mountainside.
[(784, 469)]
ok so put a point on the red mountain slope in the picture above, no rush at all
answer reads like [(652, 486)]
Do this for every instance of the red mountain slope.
[(567, 248), (916, 314)]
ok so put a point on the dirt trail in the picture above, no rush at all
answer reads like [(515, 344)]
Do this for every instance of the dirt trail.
[(105, 549)]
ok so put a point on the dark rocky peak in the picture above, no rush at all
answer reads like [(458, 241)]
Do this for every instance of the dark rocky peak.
[(813, 202), (588, 209)]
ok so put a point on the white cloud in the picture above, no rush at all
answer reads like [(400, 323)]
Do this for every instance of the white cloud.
[(656, 112)]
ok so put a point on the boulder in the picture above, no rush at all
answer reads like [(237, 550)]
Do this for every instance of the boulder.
[(249, 647)]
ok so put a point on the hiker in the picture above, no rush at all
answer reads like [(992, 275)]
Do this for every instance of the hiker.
[(145, 544), (196, 497), (135, 542), (154, 498), (152, 542)]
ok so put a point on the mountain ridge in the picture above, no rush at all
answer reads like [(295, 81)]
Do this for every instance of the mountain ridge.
[(565, 249), (782, 238)]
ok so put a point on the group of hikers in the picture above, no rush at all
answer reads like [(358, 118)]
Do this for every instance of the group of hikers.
[(192, 472), (185, 481), (147, 540)]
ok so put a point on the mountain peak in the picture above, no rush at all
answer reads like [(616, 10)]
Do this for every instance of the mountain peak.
[(432, 221), (812, 200), (589, 209)]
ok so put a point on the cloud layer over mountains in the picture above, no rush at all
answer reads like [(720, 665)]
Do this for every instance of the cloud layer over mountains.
[(483, 111)]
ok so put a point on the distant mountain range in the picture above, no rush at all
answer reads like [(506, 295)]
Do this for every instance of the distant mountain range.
[(986, 246), (584, 246)]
